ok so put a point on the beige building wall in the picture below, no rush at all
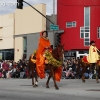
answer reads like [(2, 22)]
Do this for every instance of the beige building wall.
[(28, 21), (7, 31), (18, 48)]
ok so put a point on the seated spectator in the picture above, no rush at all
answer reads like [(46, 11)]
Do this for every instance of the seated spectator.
[(69, 74), (8, 74), (4, 74), (64, 72), (17, 74), (0, 73), (86, 74), (22, 73), (13, 72)]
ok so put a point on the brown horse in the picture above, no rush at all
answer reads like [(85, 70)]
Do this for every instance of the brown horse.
[(57, 53), (32, 70), (94, 66)]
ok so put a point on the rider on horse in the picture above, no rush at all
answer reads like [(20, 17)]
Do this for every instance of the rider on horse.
[(93, 56), (44, 44), (92, 61), (93, 53)]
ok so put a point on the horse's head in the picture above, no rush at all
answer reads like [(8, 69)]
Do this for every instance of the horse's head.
[(58, 52)]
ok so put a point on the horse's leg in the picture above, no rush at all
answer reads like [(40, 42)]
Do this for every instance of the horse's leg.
[(28, 70), (47, 83), (32, 76), (97, 73), (53, 76), (36, 78), (83, 71)]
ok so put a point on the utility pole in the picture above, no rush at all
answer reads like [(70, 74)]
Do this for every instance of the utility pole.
[(54, 11), (54, 21)]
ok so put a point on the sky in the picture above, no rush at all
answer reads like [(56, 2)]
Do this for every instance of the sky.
[(9, 6)]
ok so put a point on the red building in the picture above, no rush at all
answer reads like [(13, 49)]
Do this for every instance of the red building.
[(80, 20)]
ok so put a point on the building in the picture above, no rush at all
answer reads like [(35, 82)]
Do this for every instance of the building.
[(53, 18), (80, 20), (6, 36), (20, 31), (28, 23)]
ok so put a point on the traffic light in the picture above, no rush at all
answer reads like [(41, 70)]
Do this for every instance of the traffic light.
[(58, 38), (20, 4)]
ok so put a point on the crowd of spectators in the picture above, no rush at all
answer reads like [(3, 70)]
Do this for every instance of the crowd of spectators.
[(71, 71), (11, 69)]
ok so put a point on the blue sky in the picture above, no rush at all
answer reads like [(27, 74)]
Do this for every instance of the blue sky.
[(8, 6)]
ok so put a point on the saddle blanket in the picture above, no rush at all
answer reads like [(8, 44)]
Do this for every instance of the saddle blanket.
[(84, 59)]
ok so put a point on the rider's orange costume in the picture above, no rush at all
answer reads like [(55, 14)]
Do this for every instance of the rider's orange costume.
[(40, 60)]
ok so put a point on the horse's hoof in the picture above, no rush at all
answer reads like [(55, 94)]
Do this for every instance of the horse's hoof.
[(35, 85), (83, 81), (57, 88), (47, 87), (97, 81)]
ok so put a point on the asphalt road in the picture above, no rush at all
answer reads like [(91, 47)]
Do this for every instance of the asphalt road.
[(70, 89)]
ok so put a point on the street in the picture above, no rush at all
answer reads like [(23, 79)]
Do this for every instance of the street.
[(69, 89)]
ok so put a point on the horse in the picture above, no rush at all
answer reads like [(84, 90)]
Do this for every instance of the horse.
[(32, 70), (57, 53), (92, 66)]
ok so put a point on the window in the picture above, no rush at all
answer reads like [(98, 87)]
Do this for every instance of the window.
[(98, 32), (86, 43), (7, 54), (86, 35), (71, 24), (86, 39), (82, 35), (87, 16), (85, 30)]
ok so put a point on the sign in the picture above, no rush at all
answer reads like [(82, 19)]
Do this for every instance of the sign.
[(54, 27), (70, 54)]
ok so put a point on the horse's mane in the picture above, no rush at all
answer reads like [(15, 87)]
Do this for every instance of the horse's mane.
[(55, 53)]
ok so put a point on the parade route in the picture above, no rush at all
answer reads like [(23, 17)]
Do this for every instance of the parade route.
[(70, 89)]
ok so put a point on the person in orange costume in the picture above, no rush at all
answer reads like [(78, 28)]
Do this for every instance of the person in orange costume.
[(44, 44)]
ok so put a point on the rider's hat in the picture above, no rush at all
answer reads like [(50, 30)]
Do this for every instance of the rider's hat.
[(92, 42)]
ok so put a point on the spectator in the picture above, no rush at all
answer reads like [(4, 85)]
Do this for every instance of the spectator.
[(69, 74), (0, 73)]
